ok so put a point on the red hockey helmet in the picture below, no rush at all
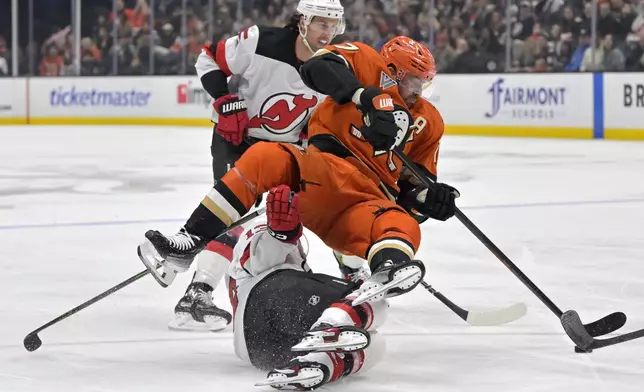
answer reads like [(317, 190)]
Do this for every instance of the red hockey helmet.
[(409, 57)]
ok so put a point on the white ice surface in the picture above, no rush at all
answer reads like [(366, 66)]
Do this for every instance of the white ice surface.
[(75, 202)]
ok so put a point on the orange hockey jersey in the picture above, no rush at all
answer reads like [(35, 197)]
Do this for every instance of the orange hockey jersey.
[(420, 127)]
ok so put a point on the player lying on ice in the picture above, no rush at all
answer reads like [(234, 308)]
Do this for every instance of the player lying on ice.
[(279, 305), (272, 104), (348, 179)]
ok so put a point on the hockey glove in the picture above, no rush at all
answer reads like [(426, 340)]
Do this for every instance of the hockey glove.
[(283, 214), (380, 128), (233, 118), (439, 204)]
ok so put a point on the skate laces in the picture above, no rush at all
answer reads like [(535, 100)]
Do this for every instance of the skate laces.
[(361, 274), (181, 241), (203, 297)]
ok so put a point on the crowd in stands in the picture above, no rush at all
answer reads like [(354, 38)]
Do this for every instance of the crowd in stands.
[(466, 36)]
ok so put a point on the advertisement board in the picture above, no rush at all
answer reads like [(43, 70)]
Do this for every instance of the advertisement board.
[(570, 105), (623, 105), (516, 104), (13, 101), (119, 100)]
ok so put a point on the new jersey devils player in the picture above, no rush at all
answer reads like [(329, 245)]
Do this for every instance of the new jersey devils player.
[(272, 103)]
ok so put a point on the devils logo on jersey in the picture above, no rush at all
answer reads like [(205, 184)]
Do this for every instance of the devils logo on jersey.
[(283, 112)]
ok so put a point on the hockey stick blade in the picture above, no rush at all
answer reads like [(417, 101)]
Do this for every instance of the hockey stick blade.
[(497, 316), (606, 325), (576, 331), (481, 318), (32, 342)]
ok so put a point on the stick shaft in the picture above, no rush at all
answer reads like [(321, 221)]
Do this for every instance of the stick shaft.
[(132, 279), (483, 238)]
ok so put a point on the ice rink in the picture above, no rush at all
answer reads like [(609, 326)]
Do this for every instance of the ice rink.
[(75, 202)]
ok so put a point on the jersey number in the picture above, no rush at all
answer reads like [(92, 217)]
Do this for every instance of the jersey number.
[(347, 46)]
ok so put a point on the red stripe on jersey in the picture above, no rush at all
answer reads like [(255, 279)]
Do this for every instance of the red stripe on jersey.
[(350, 311), (358, 361), (209, 52), (338, 366), (236, 232), (232, 295), (245, 256), (369, 312), (220, 58), (221, 249)]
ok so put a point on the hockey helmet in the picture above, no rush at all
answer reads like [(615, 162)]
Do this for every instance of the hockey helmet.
[(324, 8), (409, 57)]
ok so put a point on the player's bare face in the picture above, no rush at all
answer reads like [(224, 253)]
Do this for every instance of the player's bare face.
[(321, 31), (410, 88)]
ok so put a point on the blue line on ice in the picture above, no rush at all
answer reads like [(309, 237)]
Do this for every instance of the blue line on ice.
[(174, 220)]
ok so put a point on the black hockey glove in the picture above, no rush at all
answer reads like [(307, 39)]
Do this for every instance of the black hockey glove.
[(439, 205), (379, 128)]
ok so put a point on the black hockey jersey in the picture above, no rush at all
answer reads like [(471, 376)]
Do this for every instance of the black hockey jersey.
[(279, 103)]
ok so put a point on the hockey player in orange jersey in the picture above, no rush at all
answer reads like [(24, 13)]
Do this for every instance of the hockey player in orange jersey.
[(348, 180)]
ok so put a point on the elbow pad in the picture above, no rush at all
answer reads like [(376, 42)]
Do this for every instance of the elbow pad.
[(215, 83), (331, 75)]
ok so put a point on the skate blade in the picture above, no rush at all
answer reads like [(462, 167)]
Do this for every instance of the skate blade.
[(332, 347), (154, 263), (185, 323), (349, 341), (376, 292), (287, 380)]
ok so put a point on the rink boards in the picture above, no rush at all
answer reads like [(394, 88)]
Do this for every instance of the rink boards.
[(601, 105)]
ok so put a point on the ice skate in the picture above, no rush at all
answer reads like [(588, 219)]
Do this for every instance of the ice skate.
[(327, 338), (196, 311), (165, 256), (297, 375)]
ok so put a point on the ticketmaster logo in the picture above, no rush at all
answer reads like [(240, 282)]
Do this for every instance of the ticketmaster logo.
[(93, 97)]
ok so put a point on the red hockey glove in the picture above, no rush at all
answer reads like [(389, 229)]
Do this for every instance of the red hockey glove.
[(233, 118), (283, 214)]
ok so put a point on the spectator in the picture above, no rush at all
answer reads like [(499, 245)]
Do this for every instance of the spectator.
[(571, 24), (635, 55), (469, 60), (592, 62), (443, 53), (52, 63), (614, 59), (578, 55), (91, 57), (524, 26), (135, 17), (4, 66), (625, 18), (606, 22)]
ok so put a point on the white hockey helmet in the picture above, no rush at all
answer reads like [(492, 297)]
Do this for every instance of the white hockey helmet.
[(325, 8)]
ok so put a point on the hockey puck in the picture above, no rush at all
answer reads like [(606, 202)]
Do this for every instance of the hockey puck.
[(582, 351)]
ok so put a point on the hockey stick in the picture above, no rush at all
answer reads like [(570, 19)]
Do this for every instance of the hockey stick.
[(481, 318), (32, 342), (576, 330)]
